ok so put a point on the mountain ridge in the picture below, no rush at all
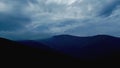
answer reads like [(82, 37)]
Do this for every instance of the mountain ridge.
[(18, 52), (85, 47), (101, 35), (96, 49)]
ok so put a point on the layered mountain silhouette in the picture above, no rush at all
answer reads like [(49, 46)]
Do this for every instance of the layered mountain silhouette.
[(13, 52), (62, 49), (93, 48)]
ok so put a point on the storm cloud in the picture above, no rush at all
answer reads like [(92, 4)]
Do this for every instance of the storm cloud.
[(35, 19)]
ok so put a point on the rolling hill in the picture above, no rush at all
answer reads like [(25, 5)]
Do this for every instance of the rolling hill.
[(92, 48), (14, 52), (62, 49)]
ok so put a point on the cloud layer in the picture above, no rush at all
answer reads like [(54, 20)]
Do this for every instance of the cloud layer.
[(33, 19)]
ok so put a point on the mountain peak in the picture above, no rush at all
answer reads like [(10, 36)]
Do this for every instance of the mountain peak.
[(96, 36), (103, 36), (62, 35), (4, 39)]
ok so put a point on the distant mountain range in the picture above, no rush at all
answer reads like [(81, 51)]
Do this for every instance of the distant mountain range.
[(63, 48), (86, 48)]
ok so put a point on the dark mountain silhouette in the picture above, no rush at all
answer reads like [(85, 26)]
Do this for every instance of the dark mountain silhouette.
[(92, 48), (34, 44), (62, 49), (13, 52)]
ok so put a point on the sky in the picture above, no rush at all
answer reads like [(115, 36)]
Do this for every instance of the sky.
[(37, 19)]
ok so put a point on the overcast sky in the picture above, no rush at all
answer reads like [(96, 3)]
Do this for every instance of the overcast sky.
[(34, 19)]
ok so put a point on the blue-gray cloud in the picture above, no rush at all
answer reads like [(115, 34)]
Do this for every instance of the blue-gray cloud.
[(12, 16), (109, 8), (32, 19)]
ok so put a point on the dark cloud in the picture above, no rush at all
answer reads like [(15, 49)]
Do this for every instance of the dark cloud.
[(32, 19), (11, 22), (109, 8), (13, 18)]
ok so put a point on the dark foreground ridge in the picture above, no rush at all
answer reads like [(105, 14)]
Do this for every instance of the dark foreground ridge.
[(12, 52), (62, 49)]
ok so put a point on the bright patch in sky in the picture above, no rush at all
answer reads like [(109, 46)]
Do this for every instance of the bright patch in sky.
[(66, 2), (3, 7)]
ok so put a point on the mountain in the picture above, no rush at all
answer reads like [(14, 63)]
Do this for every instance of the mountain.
[(62, 49), (99, 47), (14, 52), (34, 44)]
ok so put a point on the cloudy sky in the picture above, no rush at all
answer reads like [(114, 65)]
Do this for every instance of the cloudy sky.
[(33, 19)]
